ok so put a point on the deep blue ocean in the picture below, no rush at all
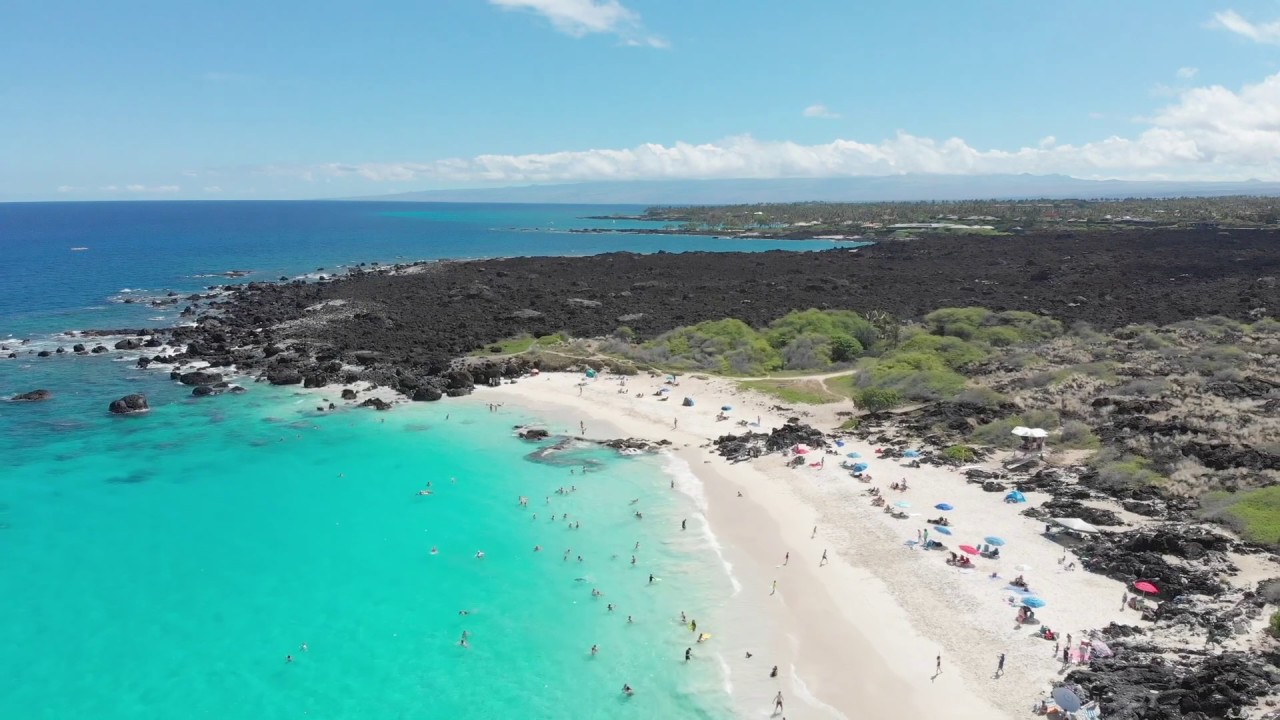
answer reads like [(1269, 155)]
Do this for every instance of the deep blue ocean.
[(166, 565)]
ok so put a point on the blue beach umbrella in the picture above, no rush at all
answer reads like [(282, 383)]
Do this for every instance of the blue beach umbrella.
[(854, 455), (1015, 496), (1066, 699), (942, 529), (859, 467), (945, 506), (839, 443), (726, 408), (1032, 601), (993, 540), (911, 453)]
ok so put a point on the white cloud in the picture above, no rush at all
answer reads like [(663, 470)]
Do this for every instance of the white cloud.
[(66, 188), (585, 17), (1264, 32), (1186, 73), (139, 189), (819, 110), (212, 189), (1206, 133)]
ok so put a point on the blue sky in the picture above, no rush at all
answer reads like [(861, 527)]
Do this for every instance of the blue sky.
[(319, 99)]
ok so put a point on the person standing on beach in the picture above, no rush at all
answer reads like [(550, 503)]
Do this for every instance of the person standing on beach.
[(814, 534), (777, 703), (823, 561), (786, 559), (684, 524), (675, 423), (774, 591), (937, 668), (1000, 666)]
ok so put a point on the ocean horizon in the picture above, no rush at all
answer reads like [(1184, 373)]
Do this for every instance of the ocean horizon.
[(170, 564)]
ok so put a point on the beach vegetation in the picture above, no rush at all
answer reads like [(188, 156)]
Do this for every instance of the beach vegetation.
[(728, 347), (1274, 626), (960, 453), (1122, 469), (999, 433), (1254, 514), (809, 392), (552, 339), (982, 397), (853, 332), (510, 346), (875, 399)]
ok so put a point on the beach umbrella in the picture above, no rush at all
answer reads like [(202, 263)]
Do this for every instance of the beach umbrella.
[(993, 540), (1066, 699), (945, 506), (1016, 496), (726, 408), (1145, 587), (854, 455), (903, 504), (1032, 601), (942, 529), (969, 549), (911, 453), (859, 467), (1076, 524)]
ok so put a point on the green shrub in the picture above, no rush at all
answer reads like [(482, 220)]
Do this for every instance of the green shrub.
[(1266, 325), (877, 399), (553, 339), (1274, 626), (957, 322), (827, 323), (960, 453), (845, 348), (726, 346), (1255, 514), (982, 397), (807, 352), (954, 352), (625, 333), (1001, 336), (1124, 470), (1076, 435)]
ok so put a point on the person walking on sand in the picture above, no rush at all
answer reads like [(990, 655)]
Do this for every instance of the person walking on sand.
[(777, 703), (814, 534), (786, 559), (684, 524), (675, 423), (774, 591), (823, 561), (1000, 666), (937, 667)]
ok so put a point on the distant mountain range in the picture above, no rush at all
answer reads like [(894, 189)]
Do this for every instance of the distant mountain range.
[(847, 189)]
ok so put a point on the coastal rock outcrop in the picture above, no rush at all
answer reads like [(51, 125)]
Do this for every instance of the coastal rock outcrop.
[(128, 344), (425, 393), (349, 394), (33, 396), (376, 404), (200, 377), (129, 404), (284, 376)]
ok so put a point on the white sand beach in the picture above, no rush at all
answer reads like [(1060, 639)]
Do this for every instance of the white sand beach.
[(861, 635)]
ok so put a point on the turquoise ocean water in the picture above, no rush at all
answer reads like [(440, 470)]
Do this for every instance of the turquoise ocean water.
[(164, 566)]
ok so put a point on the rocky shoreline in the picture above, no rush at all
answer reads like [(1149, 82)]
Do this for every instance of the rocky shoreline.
[(411, 327), (1188, 663)]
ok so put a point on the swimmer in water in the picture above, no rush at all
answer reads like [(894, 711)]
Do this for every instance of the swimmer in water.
[(537, 548), (304, 647), (479, 554), (288, 658), (424, 492), (594, 649), (434, 551), (626, 690)]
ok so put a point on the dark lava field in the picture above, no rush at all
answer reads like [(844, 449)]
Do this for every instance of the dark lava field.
[(443, 310)]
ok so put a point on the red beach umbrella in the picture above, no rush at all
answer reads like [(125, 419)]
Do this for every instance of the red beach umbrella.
[(969, 549), (1145, 587)]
